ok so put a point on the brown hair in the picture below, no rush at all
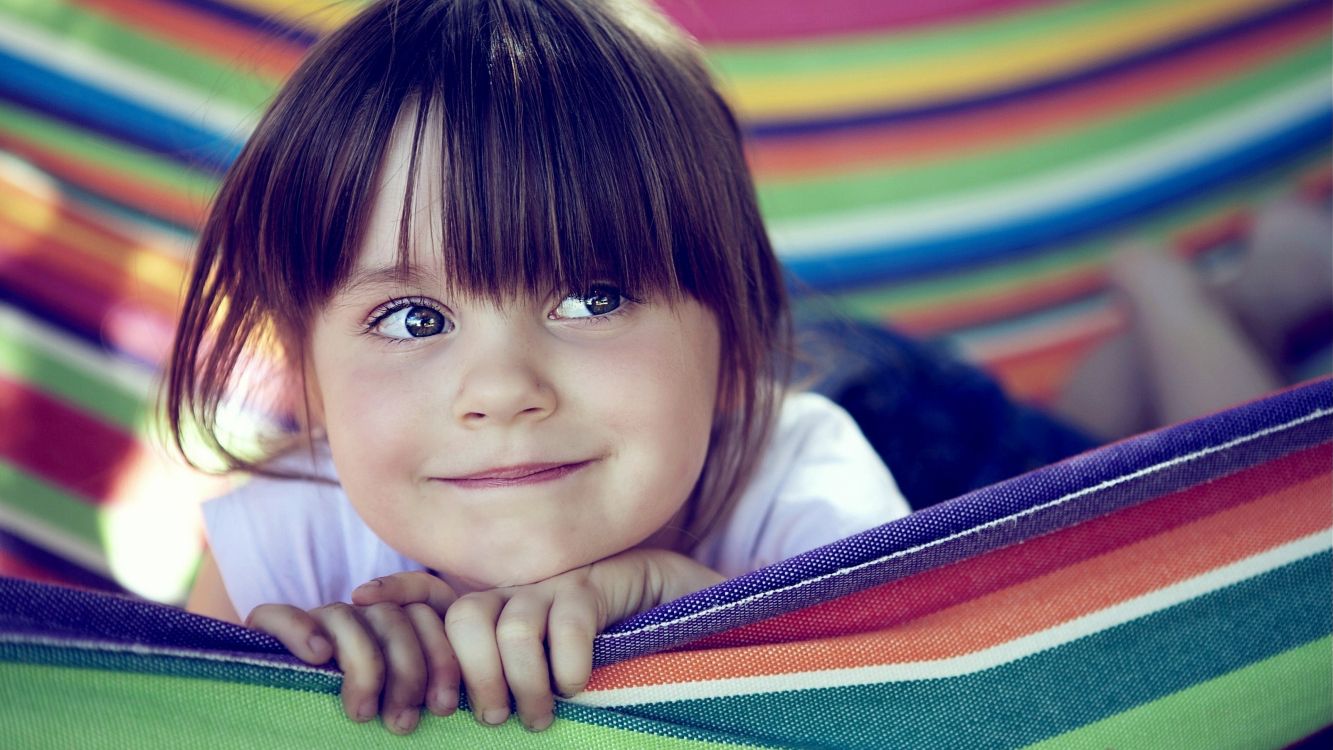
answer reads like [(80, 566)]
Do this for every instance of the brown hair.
[(582, 141)]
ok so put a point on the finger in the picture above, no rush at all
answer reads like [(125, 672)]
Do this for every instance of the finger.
[(300, 633), (404, 666), (406, 588), (570, 631), (358, 656), (442, 673), (470, 625), (520, 634)]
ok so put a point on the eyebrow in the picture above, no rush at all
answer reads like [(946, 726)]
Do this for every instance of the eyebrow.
[(394, 275)]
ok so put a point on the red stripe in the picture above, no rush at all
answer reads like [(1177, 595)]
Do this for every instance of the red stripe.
[(63, 446), (733, 21), (898, 602)]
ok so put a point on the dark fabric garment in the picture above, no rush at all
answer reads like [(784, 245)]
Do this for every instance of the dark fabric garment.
[(941, 425)]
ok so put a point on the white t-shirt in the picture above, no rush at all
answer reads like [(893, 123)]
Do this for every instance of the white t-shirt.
[(301, 543)]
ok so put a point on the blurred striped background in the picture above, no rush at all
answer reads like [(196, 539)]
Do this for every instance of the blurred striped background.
[(957, 168)]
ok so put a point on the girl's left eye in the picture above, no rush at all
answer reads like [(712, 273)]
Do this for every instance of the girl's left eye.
[(598, 300)]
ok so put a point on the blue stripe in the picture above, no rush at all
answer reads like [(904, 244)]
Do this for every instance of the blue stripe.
[(878, 264), (1078, 79), (126, 120)]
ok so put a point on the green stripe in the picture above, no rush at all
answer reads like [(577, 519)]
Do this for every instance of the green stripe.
[(888, 300), (106, 154), (848, 55), (66, 381), (884, 188), (51, 506), (1050, 692), (121, 708), (1296, 685), (86, 28)]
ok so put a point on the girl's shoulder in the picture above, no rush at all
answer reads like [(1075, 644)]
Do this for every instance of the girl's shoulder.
[(818, 480), (293, 537)]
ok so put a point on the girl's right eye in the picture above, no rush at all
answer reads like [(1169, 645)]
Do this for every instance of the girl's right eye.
[(409, 319)]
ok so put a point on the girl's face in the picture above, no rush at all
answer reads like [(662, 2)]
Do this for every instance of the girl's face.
[(501, 445)]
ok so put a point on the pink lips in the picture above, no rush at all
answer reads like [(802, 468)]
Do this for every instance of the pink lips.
[(514, 476)]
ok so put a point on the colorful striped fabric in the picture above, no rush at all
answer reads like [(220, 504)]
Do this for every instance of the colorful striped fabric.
[(958, 168), (1169, 590)]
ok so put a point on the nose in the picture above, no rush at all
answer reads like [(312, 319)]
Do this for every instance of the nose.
[(503, 382)]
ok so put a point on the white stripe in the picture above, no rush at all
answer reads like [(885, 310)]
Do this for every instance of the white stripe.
[(82, 63), (1010, 651), (868, 230), (1316, 414), (142, 649)]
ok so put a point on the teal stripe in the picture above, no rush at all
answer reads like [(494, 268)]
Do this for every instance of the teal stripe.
[(1050, 692)]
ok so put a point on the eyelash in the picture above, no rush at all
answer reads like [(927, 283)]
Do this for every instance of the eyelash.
[(386, 309)]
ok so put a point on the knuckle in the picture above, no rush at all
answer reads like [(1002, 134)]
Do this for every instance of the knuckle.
[(515, 632), (366, 674), (384, 612), (468, 610), (336, 609)]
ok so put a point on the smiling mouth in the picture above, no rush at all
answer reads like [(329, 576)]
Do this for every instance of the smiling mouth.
[(514, 476)]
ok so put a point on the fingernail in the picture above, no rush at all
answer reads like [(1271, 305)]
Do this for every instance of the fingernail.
[(541, 723), (373, 583), (444, 702), (407, 720), (366, 711), (494, 716)]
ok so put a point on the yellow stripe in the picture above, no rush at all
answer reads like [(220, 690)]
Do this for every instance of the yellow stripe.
[(969, 72)]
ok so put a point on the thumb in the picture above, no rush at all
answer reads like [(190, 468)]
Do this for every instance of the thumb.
[(411, 587)]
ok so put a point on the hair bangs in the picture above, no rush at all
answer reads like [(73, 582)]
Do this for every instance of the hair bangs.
[(554, 160)]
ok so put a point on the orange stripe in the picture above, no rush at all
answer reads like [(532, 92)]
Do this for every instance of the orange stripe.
[(1027, 119), (1030, 607)]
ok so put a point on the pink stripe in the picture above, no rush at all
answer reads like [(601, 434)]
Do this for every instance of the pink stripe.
[(726, 21)]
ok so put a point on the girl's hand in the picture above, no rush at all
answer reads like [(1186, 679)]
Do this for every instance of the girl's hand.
[(391, 639), (525, 640)]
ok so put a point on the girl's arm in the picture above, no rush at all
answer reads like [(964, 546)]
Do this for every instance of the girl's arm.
[(209, 596)]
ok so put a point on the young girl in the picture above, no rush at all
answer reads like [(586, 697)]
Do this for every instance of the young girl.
[(511, 255)]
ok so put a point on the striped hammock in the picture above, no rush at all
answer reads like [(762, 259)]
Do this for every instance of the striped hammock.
[(1169, 590), (955, 168)]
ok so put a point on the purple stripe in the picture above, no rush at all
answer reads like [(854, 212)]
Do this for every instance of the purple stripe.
[(670, 626)]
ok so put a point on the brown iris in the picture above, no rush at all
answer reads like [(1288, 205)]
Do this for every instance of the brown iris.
[(423, 321)]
